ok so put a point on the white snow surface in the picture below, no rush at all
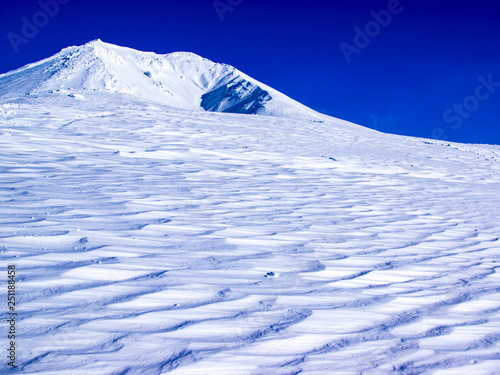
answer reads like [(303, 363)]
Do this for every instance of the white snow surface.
[(150, 239)]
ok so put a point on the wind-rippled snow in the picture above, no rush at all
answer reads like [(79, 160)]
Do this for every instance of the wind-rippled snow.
[(149, 240)]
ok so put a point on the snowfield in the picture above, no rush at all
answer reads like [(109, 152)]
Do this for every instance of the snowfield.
[(150, 239)]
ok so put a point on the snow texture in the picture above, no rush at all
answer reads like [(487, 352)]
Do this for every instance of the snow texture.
[(151, 236)]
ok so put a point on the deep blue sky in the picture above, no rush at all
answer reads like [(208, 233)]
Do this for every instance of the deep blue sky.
[(429, 57)]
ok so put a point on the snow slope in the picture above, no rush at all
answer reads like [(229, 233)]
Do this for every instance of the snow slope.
[(182, 80), (150, 239)]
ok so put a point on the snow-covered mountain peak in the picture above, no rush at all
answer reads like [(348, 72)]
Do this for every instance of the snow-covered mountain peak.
[(180, 79)]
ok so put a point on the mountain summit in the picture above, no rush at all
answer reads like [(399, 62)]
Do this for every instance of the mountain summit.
[(182, 80)]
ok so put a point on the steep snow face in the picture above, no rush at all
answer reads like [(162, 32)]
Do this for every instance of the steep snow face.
[(182, 80), (235, 95)]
